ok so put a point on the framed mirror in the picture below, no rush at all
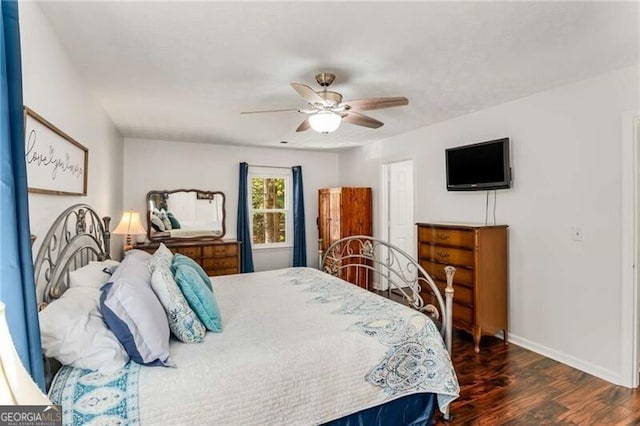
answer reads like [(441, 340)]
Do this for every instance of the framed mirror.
[(185, 213)]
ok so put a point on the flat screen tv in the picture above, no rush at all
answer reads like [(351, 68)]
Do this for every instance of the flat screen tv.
[(479, 167)]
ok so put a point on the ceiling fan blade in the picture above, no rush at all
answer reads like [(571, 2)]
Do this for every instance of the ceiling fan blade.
[(303, 126), (377, 103), (361, 120), (308, 93), (269, 110)]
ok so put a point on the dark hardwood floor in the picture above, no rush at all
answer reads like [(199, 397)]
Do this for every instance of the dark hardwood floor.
[(508, 385)]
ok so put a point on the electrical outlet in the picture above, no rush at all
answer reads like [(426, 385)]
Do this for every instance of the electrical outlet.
[(576, 233)]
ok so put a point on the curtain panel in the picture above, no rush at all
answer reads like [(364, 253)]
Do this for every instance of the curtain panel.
[(299, 240), (243, 230), (17, 289)]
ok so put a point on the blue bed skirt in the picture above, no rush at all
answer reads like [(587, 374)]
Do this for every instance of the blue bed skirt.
[(411, 410)]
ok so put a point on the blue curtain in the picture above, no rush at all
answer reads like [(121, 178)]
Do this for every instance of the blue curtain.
[(17, 289), (299, 240), (244, 233)]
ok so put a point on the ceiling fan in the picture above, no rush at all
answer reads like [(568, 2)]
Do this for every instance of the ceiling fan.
[(326, 110)]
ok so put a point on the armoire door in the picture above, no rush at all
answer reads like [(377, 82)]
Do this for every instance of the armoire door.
[(344, 212)]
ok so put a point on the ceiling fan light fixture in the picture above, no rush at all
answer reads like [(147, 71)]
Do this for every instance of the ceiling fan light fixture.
[(325, 121)]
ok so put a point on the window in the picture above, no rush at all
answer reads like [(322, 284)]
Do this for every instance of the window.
[(271, 221)]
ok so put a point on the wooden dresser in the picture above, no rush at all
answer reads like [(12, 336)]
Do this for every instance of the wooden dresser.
[(344, 212), (479, 254), (217, 257)]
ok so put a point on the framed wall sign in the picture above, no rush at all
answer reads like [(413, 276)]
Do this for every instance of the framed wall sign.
[(56, 164)]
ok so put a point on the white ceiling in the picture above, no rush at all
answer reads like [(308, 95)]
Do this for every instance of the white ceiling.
[(184, 70)]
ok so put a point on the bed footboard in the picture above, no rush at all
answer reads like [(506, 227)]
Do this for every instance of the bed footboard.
[(390, 271), (378, 265)]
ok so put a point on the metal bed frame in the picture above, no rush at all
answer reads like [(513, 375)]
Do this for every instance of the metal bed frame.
[(76, 237), (79, 235), (372, 261)]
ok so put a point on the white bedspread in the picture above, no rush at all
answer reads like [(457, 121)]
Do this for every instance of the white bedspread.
[(299, 347)]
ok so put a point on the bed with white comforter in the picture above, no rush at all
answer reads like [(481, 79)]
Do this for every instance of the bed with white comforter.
[(299, 347)]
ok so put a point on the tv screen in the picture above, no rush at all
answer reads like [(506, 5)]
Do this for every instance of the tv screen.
[(478, 167)]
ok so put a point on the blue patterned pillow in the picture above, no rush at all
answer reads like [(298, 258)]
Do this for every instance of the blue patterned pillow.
[(181, 259), (162, 257), (183, 322), (200, 298)]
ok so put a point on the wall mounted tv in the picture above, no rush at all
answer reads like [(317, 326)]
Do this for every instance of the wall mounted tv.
[(479, 167)]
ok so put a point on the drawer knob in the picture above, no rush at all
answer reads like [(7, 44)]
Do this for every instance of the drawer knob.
[(442, 254), (442, 237)]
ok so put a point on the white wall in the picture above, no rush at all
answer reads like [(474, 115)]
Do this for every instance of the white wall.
[(53, 89), (564, 296), (156, 165)]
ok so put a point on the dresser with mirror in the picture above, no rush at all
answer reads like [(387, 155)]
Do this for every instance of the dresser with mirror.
[(192, 222)]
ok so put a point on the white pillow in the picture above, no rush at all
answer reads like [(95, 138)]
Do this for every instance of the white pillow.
[(92, 275), (133, 312), (158, 223), (73, 332), (165, 220)]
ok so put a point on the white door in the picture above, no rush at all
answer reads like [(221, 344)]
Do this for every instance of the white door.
[(401, 225), (398, 225), (630, 296), (636, 260)]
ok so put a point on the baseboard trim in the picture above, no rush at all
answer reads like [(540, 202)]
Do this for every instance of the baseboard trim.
[(571, 361)]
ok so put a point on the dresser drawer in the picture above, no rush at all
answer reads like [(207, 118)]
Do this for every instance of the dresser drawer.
[(220, 250), (436, 270), (462, 295), (192, 252), (447, 237), (220, 262), (462, 315), (448, 255)]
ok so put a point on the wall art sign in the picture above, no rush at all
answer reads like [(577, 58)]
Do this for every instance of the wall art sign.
[(56, 164)]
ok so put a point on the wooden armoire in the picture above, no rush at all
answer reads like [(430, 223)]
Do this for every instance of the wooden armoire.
[(343, 212)]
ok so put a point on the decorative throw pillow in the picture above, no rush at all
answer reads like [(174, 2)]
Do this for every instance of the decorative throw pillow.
[(181, 259), (183, 322), (94, 274), (162, 257), (73, 332), (199, 297), (165, 220), (174, 222), (157, 224), (134, 314)]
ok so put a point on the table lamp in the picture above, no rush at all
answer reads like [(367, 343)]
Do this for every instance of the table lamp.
[(129, 225), (16, 385)]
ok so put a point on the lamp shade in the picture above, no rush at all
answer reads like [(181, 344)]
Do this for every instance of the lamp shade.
[(325, 121), (130, 224), (16, 385)]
